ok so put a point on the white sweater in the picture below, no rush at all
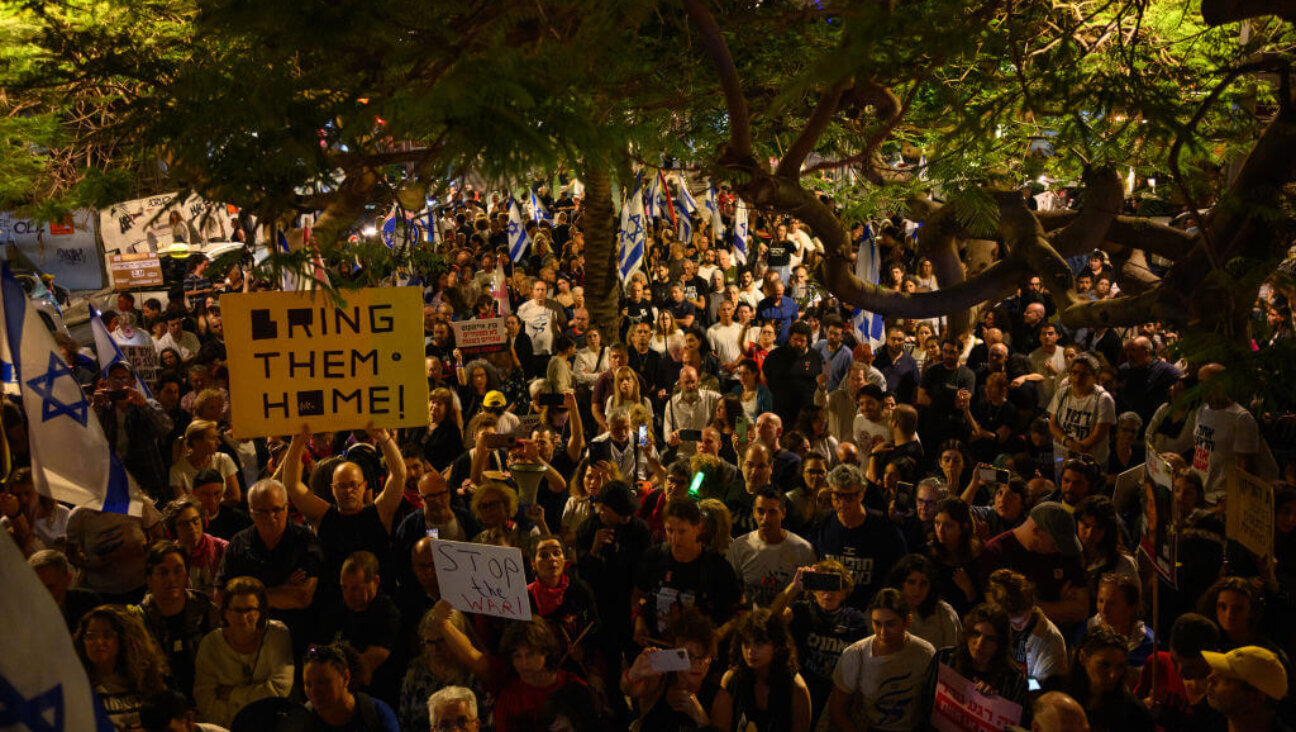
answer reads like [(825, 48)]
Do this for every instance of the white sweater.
[(219, 665)]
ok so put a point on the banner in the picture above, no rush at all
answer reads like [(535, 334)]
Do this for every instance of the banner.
[(1250, 512), (1161, 535), (959, 707), (477, 336), (153, 224), (483, 578), (65, 249), (307, 358)]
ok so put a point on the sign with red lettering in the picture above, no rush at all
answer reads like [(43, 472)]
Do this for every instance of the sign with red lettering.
[(483, 578), (307, 358), (485, 335), (960, 707)]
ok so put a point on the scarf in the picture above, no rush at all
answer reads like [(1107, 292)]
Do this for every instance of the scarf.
[(548, 599)]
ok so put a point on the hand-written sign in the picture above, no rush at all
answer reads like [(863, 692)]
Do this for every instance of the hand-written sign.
[(304, 357), (485, 335), (960, 707), (1250, 512), (483, 578)]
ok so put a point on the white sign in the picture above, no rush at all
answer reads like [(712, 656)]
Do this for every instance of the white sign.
[(484, 335), (153, 224), (959, 707), (65, 249), (483, 578)]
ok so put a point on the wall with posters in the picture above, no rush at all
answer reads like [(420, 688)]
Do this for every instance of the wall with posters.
[(152, 224), (66, 249)]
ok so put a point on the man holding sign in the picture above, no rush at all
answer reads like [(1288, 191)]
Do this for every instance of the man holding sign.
[(351, 525)]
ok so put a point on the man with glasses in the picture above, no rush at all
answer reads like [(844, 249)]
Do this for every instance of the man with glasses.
[(803, 500), (285, 557), (453, 709), (862, 540), (438, 519), (354, 523)]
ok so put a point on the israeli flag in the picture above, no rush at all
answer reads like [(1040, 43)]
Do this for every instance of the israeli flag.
[(741, 234), (517, 235), (634, 236), (43, 686), (713, 209), (653, 196), (869, 327), (538, 212), (71, 458), (288, 278), (686, 207), (109, 353)]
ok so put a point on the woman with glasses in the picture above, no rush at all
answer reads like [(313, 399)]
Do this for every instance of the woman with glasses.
[(1127, 449), (326, 676), (437, 668), (184, 521), (673, 701), (1082, 413), (247, 659), (122, 660), (453, 709), (495, 506)]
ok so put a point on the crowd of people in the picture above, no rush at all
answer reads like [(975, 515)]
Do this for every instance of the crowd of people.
[(749, 518)]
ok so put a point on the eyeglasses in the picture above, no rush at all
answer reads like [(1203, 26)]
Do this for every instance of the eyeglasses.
[(348, 485), (272, 511), (845, 495)]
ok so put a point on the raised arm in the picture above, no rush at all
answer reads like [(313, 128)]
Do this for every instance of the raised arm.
[(393, 490), (576, 443), (310, 505)]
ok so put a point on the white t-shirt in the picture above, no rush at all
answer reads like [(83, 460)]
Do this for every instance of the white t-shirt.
[(766, 569), (724, 341), (1220, 435), (889, 685), (1038, 359), (183, 472), (941, 628), (869, 434), (1079, 416), (538, 321)]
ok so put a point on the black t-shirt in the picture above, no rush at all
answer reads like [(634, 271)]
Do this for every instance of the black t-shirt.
[(298, 549), (228, 522), (695, 288), (378, 626), (613, 570), (868, 552), (636, 312), (708, 583), (682, 309), (779, 253), (341, 536)]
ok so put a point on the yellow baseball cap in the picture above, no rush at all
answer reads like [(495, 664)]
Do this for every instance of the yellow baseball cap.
[(494, 398), (1256, 666)]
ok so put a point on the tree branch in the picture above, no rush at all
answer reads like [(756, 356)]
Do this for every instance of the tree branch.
[(937, 240), (740, 138), (796, 154), (1140, 308), (1102, 202)]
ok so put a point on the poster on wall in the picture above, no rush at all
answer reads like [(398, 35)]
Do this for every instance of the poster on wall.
[(151, 225), (65, 249)]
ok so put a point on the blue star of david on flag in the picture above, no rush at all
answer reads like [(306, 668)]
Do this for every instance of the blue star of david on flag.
[(51, 406), (19, 710)]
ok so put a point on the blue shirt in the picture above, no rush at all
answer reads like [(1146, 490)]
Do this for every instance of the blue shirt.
[(781, 312), (840, 362)]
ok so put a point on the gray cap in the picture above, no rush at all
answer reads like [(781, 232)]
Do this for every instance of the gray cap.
[(1053, 518)]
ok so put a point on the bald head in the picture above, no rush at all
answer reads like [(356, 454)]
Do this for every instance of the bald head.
[(994, 335), (1034, 313), (1057, 712), (348, 487)]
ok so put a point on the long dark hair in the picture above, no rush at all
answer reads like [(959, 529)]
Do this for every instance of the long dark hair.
[(763, 626), (968, 547), (1099, 638), (1001, 664), (1101, 509)]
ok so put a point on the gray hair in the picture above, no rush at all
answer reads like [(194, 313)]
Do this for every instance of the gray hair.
[(266, 485), (1131, 417), (620, 414), (448, 695), (845, 477), (942, 490), (50, 558)]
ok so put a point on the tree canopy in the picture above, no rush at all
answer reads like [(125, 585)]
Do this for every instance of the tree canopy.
[(342, 106)]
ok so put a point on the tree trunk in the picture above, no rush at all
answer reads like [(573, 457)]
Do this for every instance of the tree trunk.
[(601, 290)]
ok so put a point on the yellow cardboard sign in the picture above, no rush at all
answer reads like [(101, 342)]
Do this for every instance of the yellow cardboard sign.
[(300, 357)]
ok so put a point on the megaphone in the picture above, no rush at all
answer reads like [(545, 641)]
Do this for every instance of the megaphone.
[(528, 477)]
